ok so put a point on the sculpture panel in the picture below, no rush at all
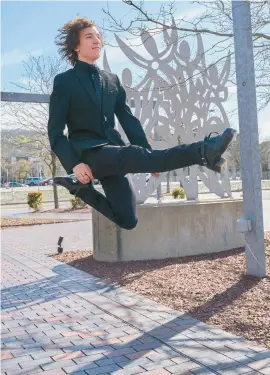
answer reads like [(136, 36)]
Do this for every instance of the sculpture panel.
[(179, 100)]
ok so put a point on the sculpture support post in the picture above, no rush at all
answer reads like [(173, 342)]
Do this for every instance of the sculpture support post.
[(249, 138), (159, 187)]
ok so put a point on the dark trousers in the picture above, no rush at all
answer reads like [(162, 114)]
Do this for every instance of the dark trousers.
[(110, 164)]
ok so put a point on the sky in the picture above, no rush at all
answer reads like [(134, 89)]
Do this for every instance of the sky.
[(30, 28)]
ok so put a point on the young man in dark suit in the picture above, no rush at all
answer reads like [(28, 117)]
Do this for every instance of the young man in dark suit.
[(86, 99)]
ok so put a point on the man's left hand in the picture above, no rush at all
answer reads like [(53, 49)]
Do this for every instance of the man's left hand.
[(155, 174)]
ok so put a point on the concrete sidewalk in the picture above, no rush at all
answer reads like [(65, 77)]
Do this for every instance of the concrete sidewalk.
[(59, 320)]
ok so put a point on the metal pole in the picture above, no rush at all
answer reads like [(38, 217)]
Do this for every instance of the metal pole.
[(249, 138), (159, 187)]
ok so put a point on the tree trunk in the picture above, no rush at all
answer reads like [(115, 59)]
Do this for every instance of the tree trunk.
[(55, 193)]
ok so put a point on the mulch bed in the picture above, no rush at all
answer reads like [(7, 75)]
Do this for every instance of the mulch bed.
[(87, 209), (64, 210), (212, 288), (7, 222)]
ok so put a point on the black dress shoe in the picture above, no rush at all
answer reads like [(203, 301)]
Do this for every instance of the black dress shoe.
[(212, 148), (72, 186)]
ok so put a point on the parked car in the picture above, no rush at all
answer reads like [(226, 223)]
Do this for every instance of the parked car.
[(47, 181), (13, 184), (34, 181)]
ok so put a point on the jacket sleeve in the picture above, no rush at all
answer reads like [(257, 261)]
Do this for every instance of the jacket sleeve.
[(131, 125), (58, 110)]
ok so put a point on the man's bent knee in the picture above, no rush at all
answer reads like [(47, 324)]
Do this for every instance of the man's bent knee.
[(129, 224)]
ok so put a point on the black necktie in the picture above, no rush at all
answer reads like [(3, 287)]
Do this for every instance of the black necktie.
[(97, 82)]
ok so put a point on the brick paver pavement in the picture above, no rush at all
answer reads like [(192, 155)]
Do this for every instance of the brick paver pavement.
[(59, 320), (77, 236)]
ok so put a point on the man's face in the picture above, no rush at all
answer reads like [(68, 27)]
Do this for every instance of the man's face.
[(90, 44)]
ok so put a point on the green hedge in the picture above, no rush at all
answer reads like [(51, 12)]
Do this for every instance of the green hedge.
[(178, 193), (35, 200), (77, 202)]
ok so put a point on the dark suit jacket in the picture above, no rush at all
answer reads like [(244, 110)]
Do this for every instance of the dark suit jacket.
[(73, 101)]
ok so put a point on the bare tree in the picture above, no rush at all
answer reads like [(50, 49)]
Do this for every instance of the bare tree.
[(38, 76), (214, 19), (5, 169), (22, 169), (265, 155), (234, 153)]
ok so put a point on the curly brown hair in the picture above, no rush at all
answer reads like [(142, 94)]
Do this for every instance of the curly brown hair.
[(69, 37)]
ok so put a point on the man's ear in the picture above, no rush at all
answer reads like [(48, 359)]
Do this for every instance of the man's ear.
[(76, 49)]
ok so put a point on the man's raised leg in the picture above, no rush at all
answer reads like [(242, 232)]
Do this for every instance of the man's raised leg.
[(120, 160), (111, 160), (119, 204)]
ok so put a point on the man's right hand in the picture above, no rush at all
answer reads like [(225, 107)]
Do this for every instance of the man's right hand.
[(83, 173)]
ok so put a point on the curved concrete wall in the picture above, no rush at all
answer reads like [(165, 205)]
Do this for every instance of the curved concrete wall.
[(168, 230)]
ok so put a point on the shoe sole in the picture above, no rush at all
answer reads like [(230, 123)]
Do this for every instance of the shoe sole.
[(220, 165), (73, 189)]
